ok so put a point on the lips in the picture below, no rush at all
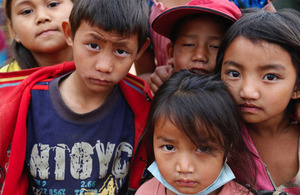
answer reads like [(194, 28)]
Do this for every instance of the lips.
[(46, 32), (186, 183), (249, 108), (101, 82)]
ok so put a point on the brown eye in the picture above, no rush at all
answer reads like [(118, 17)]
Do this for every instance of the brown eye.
[(94, 46), (233, 73), (204, 149), (270, 77), (168, 147)]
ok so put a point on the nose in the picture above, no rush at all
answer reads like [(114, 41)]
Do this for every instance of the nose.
[(200, 54), (105, 63), (42, 16), (249, 89), (185, 164)]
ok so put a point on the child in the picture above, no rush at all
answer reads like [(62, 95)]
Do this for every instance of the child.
[(147, 62), (192, 133), (195, 31), (157, 55), (259, 61), (38, 38), (82, 128)]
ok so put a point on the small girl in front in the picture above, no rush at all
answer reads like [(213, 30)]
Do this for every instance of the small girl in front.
[(259, 59), (192, 137)]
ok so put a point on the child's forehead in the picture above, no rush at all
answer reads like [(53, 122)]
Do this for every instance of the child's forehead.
[(112, 33), (198, 126)]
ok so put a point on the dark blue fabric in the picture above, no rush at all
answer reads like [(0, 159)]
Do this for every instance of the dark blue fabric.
[(66, 157), (250, 3)]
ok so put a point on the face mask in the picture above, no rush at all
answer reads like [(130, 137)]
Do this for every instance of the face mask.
[(225, 176)]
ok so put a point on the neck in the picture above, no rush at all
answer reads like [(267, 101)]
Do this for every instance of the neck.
[(78, 97), (53, 58), (269, 128)]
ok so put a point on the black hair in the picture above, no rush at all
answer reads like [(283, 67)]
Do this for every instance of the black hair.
[(125, 17), (21, 54), (202, 108), (281, 28)]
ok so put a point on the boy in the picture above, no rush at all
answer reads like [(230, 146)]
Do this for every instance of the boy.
[(195, 30), (82, 127)]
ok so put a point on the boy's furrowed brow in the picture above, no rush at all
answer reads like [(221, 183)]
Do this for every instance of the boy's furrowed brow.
[(99, 38), (165, 139)]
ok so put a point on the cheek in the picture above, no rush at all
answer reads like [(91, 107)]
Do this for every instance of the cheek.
[(232, 87), (211, 169), (283, 96), (166, 168), (213, 58), (181, 62), (161, 158)]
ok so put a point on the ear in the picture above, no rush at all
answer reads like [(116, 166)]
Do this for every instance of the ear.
[(296, 93), (67, 32), (143, 48), (170, 50)]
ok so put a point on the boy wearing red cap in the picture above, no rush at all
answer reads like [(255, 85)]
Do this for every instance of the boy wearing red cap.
[(195, 31)]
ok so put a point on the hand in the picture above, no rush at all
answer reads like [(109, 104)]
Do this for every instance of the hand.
[(159, 76)]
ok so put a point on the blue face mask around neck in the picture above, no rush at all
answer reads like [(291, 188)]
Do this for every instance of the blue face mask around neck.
[(225, 176)]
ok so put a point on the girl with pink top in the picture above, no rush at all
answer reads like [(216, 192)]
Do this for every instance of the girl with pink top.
[(259, 61), (192, 138)]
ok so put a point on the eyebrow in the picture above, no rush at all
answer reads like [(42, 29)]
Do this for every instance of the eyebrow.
[(165, 139), (120, 43), (279, 67), (22, 3), (232, 63), (96, 37)]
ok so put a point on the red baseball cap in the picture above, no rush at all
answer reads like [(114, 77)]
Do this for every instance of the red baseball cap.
[(164, 23)]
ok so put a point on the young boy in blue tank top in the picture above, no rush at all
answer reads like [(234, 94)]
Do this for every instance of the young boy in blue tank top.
[(83, 127)]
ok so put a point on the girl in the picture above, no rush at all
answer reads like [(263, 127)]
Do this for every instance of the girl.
[(38, 38), (259, 60), (192, 132)]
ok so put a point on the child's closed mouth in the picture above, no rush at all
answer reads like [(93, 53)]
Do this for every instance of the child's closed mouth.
[(47, 31), (186, 183), (246, 107)]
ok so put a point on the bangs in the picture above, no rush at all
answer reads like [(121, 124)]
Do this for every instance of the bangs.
[(192, 119)]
